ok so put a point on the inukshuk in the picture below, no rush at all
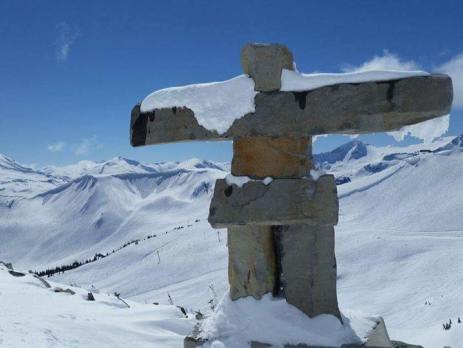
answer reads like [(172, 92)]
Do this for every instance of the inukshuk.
[(281, 231)]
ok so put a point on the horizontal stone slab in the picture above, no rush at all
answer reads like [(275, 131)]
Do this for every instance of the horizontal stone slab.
[(282, 202), (349, 108)]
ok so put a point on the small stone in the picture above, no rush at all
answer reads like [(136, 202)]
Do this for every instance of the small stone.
[(67, 291), (379, 338), (8, 265), (16, 274), (194, 340), (264, 63), (251, 261), (90, 297)]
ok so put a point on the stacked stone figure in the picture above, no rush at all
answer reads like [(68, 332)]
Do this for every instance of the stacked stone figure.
[(281, 233)]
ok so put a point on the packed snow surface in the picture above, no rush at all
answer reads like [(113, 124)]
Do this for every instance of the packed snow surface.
[(33, 315), (296, 81), (274, 321), (216, 105)]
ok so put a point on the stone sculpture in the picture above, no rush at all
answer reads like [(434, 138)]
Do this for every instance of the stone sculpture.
[(281, 231)]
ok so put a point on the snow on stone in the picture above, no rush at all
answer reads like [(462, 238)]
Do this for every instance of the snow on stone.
[(241, 180), (426, 131), (216, 105), (274, 321), (316, 173), (296, 81)]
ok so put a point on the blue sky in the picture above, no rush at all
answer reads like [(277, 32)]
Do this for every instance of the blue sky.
[(72, 70)]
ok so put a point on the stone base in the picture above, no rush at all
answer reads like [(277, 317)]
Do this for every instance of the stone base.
[(378, 338)]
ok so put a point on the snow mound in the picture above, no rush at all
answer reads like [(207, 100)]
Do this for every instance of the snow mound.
[(216, 105), (276, 322), (296, 81), (33, 315)]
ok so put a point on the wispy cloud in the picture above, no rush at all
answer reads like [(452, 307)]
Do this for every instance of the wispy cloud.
[(387, 61), (67, 34), (454, 68), (86, 146), (56, 147)]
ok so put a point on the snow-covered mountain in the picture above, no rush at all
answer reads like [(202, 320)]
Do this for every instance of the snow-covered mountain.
[(141, 230), (19, 181)]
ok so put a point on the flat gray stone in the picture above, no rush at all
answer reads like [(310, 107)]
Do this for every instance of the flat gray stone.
[(348, 108), (282, 202), (251, 261), (308, 268), (166, 125), (264, 63), (343, 108)]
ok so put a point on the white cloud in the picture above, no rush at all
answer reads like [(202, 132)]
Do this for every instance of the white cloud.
[(388, 61), (56, 147), (85, 146), (454, 68), (66, 36)]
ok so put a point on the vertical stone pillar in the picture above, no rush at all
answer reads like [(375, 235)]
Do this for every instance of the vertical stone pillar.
[(254, 268), (308, 268), (295, 261), (251, 261)]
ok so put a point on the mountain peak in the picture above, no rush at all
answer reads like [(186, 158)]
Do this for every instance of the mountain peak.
[(354, 149), (457, 142)]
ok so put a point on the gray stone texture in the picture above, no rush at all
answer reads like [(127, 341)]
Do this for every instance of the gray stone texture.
[(166, 125), (379, 338), (348, 108), (251, 261), (308, 268), (264, 63), (343, 108), (282, 202)]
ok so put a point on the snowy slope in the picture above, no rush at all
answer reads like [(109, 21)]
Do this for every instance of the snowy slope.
[(97, 213), (398, 239), (19, 181), (33, 315)]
